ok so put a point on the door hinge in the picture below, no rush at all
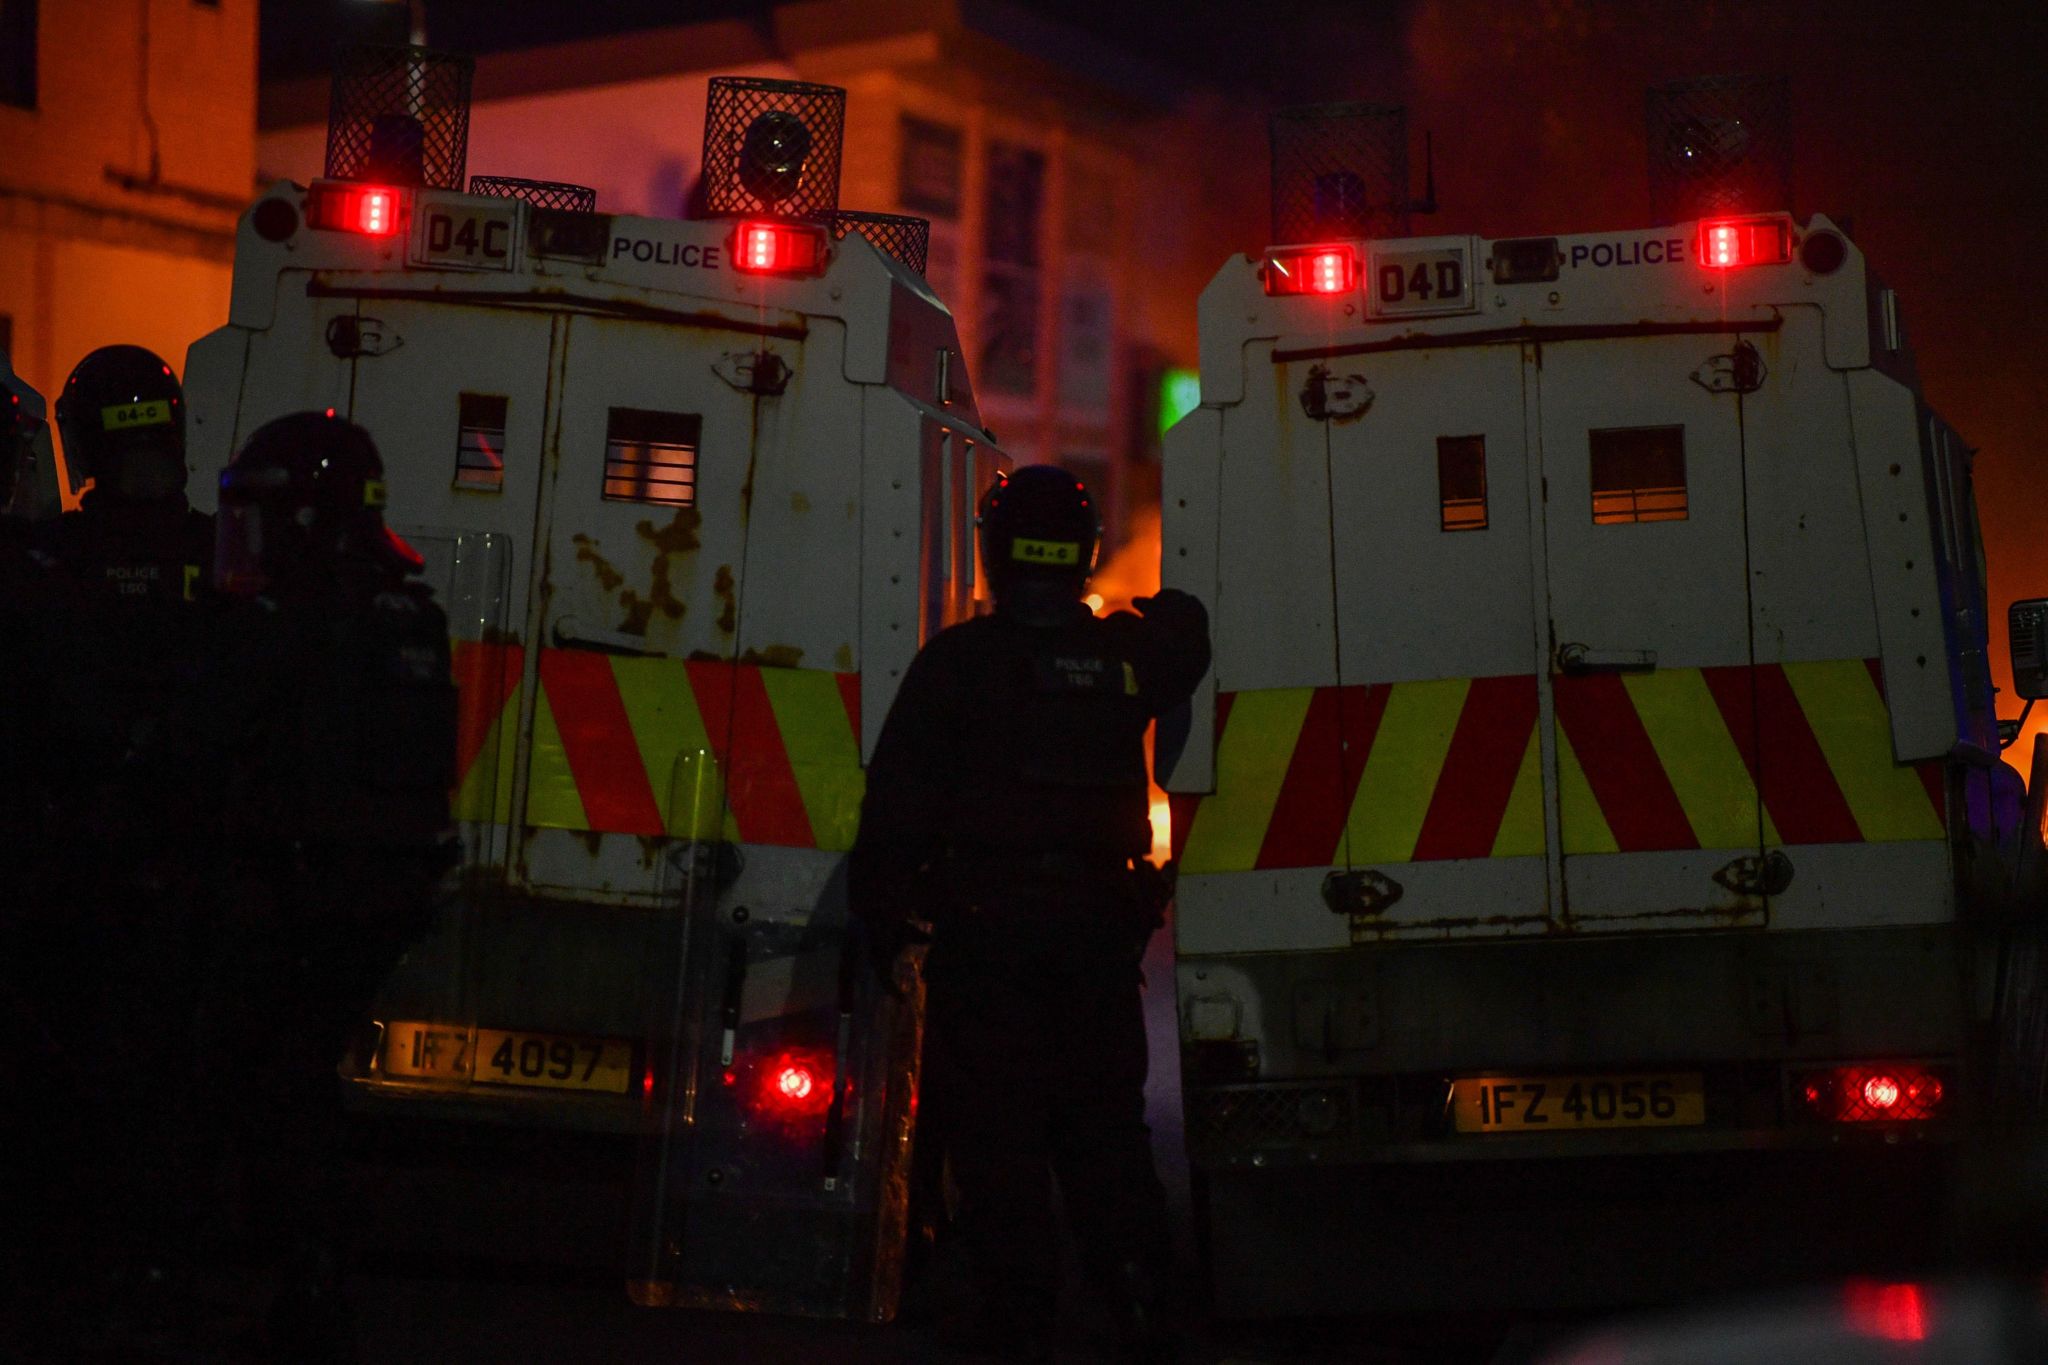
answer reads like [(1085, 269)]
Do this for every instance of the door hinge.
[(762, 373), (1360, 893), (1767, 874), (349, 337), (1325, 395), (1740, 371)]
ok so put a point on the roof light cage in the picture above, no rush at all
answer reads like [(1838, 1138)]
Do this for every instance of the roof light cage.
[(772, 147), (895, 235), (1721, 145), (542, 194), (399, 116), (1340, 171)]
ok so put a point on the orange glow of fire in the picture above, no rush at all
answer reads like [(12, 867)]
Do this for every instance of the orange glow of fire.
[(1133, 572)]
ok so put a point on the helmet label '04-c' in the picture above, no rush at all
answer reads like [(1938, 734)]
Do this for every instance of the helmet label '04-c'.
[(124, 416), (1061, 552)]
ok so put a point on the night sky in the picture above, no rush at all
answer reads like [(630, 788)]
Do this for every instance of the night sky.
[(1924, 124)]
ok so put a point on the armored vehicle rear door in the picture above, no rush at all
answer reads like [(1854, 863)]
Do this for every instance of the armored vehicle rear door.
[(1438, 646), (1644, 520), (643, 515)]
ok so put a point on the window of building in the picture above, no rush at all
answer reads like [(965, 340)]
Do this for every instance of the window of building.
[(1461, 482), (929, 169), (1638, 474), (1010, 270), (480, 442), (18, 53), (651, 456)]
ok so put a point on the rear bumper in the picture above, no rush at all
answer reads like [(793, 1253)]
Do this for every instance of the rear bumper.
[(1595, 1229)]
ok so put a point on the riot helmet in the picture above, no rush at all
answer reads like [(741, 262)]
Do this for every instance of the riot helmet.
[(303, 497), (122, 417), (1039, 535)]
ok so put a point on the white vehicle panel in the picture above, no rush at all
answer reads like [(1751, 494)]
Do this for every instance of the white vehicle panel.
[(1417, 599), (1188, 557), (1272, 619), (1901, 547), (1809, 591)]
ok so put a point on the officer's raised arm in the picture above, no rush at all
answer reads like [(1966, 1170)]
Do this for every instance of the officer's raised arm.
[(1170, 642)]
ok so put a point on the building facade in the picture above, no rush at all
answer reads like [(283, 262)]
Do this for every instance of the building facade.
[(127, 151), (1071, 189)]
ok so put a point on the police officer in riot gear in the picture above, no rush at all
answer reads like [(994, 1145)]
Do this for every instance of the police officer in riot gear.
[(1006, 805), (327, 731), (122, 420), (112, 898)]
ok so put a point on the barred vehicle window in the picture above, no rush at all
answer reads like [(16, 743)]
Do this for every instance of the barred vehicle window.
[(1638, 474), (480, 442), (651, 456), (1461, 482)]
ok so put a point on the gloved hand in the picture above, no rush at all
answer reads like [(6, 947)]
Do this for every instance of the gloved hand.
[(1178, 614)]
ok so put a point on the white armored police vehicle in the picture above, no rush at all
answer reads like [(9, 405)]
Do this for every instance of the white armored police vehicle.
[(693, 493), (1598, 873)]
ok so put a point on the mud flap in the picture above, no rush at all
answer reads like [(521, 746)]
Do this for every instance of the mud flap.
[(781, 1084)]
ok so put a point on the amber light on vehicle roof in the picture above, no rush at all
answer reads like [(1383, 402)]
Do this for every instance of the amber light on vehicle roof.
[(1726, 243), (1310, 270)]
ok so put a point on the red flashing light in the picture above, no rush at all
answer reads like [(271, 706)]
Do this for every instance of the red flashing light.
[(371, 210), (794, 1083), (788, 1089), (1874, 1093), (1889, 1312), (779, 249), (1310, 270), (1727, 243)]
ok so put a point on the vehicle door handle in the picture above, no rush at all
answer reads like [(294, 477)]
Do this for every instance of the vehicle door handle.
[(1577, 658), (567, 633)]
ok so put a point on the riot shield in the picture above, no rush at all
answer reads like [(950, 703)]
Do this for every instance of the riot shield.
[(782, 1076), (423, 1034)]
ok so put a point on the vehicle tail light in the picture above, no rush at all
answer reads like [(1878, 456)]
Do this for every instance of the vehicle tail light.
[(1889, 1312), (1310, 270), (372, 210), (1726, 243), (779, 249), (1876, 1092), (785, 1088)]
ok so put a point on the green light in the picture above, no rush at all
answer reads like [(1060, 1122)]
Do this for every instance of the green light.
[(1180, 393)]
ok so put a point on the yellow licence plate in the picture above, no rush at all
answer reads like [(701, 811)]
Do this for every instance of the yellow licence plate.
[(1550, 1104), (443, 1052)]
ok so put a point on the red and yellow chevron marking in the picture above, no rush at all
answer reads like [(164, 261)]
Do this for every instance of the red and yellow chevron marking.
[(614, 740), (1452, 768)]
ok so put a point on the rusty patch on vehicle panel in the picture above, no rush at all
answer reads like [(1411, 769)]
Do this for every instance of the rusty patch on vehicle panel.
[(842, 658), (729, 618), (678, 537), (608, 576), (774, 656), (799, 504)]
